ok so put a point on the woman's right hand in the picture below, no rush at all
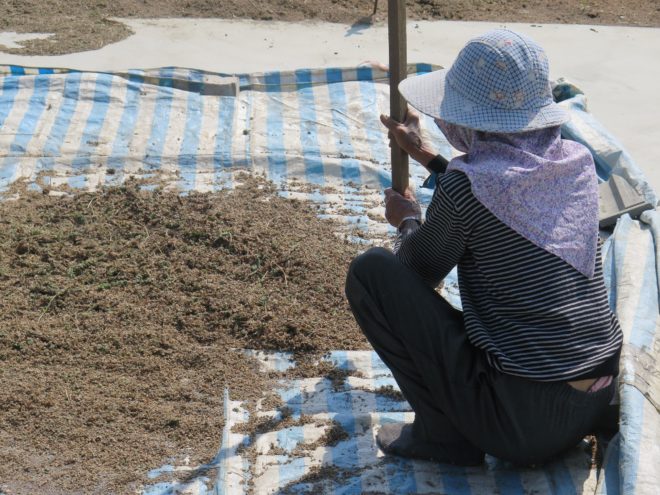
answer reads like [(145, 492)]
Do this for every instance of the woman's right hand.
[(408, 136), (399, 207)]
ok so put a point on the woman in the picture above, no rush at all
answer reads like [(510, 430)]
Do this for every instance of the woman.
[(527, 369)]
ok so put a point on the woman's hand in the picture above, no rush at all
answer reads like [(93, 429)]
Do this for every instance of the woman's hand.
[(408, 136), (401, 206)]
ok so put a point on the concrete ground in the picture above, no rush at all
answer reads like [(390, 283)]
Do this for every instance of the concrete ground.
[(617, 67)]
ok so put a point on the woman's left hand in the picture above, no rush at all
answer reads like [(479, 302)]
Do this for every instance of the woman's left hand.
[(401, 206)]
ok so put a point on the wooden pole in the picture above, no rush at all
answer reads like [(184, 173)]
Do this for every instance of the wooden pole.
[(396, 21)]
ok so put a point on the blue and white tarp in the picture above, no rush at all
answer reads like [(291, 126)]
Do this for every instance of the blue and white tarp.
[(317, 135), (355, 465), (193, 129)]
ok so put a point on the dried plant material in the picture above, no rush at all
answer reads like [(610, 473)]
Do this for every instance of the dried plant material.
[(120, 318)]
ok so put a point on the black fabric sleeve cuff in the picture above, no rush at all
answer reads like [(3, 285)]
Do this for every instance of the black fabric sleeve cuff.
[(408, 226), (438, 164)]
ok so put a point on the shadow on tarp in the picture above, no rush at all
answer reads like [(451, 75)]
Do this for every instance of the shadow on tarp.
[(355, 465)]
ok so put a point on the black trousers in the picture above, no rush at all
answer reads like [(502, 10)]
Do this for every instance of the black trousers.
[(461, 403)]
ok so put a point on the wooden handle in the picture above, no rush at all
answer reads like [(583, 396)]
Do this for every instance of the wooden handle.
[(396, 20)]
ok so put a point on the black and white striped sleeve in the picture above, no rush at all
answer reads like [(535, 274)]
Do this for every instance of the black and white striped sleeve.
[(434, 248)]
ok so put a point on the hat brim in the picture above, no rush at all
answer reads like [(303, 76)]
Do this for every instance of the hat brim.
[(432, 95)]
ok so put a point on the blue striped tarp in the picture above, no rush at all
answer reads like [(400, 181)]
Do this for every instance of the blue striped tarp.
[(191, 130), (285, 456), (316, 134)]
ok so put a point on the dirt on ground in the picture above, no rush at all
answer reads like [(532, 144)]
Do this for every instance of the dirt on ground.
[(122, 315), (80, 25)]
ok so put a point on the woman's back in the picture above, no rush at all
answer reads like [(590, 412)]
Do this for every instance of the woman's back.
[(534, 314)]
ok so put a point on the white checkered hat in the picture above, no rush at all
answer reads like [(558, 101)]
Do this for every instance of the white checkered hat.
[(498, 83)]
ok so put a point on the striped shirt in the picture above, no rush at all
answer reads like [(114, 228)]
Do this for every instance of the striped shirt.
[(533, 314)]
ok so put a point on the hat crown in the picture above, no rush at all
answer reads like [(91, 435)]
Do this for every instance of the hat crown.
[(502, 69)]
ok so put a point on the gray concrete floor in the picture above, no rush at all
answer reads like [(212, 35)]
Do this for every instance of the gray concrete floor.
[(617, 67)]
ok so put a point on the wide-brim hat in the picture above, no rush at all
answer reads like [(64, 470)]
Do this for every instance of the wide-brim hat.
[(498, 83)]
